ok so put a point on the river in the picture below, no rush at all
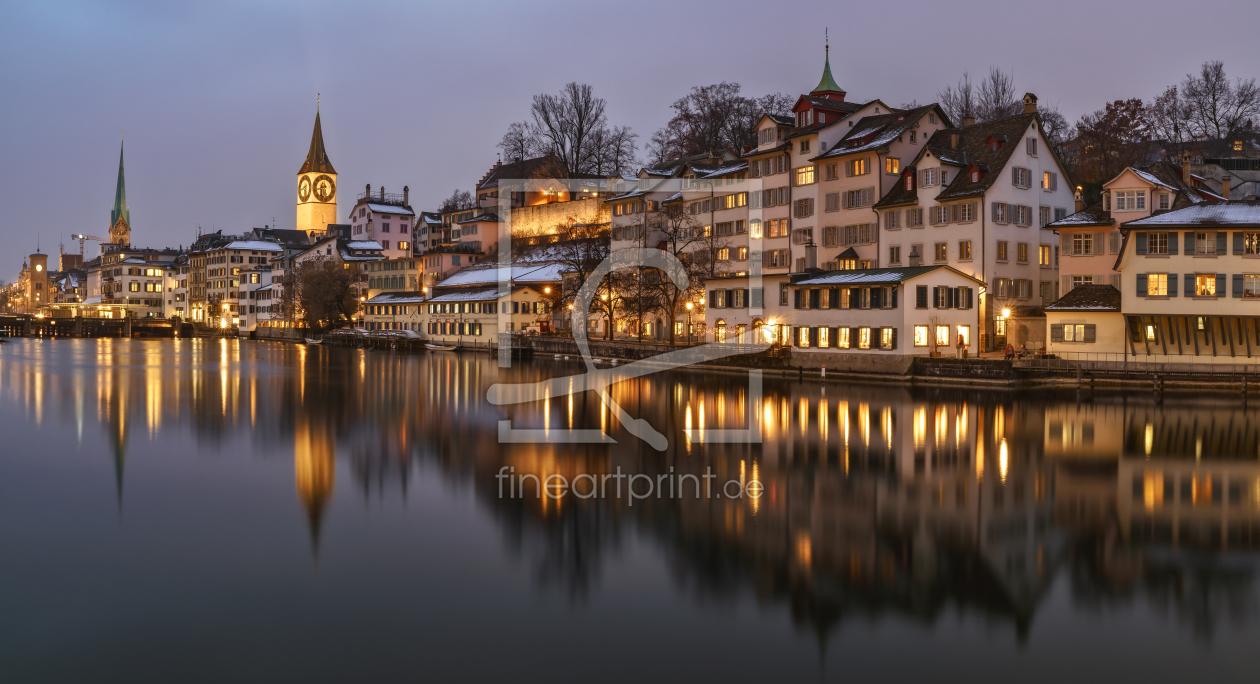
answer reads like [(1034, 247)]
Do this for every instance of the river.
[(222, 510)]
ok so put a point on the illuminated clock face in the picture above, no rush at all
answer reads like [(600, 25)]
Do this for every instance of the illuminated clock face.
[(38, 268), (304, 188), (324, 188)]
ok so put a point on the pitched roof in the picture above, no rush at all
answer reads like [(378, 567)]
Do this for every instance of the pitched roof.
[(1093, 215), (400, 209), (1088, 298), (973, 149), (874, 276), (880, 130), (1216, 213), (898, 195), (539, 167), (397, 298), (317, 158)]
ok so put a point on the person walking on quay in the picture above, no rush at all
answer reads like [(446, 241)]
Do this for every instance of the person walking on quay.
[(1010, 352)]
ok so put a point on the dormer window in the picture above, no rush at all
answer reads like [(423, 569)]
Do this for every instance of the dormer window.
[(1238, 146), (993, 145)]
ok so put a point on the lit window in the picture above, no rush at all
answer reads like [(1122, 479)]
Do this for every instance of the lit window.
[(920, 335), (1157, 285), (1251, 286), (892, 165), (864, 338), (942, 335), (824, 337), (842, 338), (1205, 285), (802, 336)]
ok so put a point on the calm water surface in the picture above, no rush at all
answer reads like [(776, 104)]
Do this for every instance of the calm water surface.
[(204, 510)]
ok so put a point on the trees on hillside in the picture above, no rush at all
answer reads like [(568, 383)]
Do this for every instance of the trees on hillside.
[(1111, 139), (459, 199), (1204, 106), (992, 98), (572, 126), (713, 117)]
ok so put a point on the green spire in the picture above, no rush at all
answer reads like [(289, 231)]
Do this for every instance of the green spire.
[(827, 84), (120, 196)]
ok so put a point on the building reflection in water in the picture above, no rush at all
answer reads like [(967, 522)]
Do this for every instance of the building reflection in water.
[(877, 499)]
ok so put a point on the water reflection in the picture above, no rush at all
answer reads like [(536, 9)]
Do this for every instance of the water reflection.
[(878, 499)]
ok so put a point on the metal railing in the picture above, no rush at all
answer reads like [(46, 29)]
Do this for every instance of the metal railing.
[(1142, 365)]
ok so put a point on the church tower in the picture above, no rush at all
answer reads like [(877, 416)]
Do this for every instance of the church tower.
[(120, 216), (317, 187)]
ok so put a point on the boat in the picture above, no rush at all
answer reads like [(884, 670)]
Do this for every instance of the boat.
[(440, 347), (312, 341)]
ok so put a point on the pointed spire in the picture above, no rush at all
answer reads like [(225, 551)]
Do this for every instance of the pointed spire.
[(317, 159), (828, 84), (120, 196)]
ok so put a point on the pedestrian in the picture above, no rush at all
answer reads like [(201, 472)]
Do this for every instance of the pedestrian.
[(1010, 352), (962, 345)]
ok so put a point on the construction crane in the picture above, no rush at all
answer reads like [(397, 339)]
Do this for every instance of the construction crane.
[(81, 237)]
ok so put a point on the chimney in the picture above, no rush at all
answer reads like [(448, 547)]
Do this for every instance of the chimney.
[(969, 120), (382, 193), (368, 192), (1030, 103), (953, 141), (1185, 167), (406, 195), (1225, 187), (811, 257), (1080, 199)]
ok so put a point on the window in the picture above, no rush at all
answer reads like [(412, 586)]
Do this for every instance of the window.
[(892, 165), (894, 255), (859, 198), (864, 338), (1078, 280), (803, 236), (920, 335), (1082, 244), (1049, 181), (1043, 216), (964, 250), (1129, 200), (929, 177), (1021, 252), (833, 201), (824, 337), (1157, 243), (842, 338), (805, 174), (1043, 255), (886, 336), (1001, 250), (1251, 244), (999, 212), (891, 221), (966, 212), (1074, 332), (942, 253), (1238, 146), (754, 229), (804, 147), (1251, 286), (802, 336), (741, 254), (1032, 147), (858, 167), (1021, 177), (1205, 285), (942, 335), (914, 217), (803, 208), (830, 172), (1157, 285), (1165, 200), (1205, 243)]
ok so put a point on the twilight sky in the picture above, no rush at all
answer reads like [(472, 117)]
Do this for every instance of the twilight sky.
[(218, 98)]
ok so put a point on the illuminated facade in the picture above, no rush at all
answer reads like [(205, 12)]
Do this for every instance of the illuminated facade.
[(317, 187)]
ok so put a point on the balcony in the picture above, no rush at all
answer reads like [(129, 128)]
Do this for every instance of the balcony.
[(391, 198)]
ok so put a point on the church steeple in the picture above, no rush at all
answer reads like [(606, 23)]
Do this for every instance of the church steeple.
[(120, 195), (120, 215), (317, 159), (827, 87)]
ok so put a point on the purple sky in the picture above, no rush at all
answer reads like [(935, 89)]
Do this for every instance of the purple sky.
[(218, 99)]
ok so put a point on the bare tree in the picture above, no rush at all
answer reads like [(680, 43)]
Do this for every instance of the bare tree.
[(1113, 138), (321, 292), (997, 96), (459, 199), (713, 117), (959, 101), (565, 123), (1056, 127), (612, 151), (1169, 118), (1216, 106), (638, 296), (519, 143), (679, 234)]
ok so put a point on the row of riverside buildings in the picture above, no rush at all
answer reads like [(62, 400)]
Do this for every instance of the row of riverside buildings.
[(858, 233)]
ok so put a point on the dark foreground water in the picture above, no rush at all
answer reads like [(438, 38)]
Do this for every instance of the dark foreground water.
[(215, 511)]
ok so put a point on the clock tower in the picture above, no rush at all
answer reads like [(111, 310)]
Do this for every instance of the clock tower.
[(316, 187)]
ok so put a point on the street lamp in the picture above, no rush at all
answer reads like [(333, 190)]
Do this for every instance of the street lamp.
[(690, 306)]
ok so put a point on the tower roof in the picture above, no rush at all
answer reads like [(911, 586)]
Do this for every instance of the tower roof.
[(120, 196), (827, 84), (317, 159)]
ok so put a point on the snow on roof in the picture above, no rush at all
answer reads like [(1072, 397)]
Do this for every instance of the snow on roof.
[(729, 168), (397, 298), (1150, 178), (472, 296), (1204, 214), (546, 273), (364, 244), (873, 276), (92, 300), (390, 209), (255, 245)]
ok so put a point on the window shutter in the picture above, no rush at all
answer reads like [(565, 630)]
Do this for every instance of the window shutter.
[(1100, 240), (1238, 243), (1090, 332), (1220, 281), (894, 338), (920, 296), (1189, 243), (758, 298), (854, 338), (1064, 243), (936, 296), (813, 337), (1015, 176), (796, 294), (1238, 282), (1054, 181), (1172, 243), (893, 296), (744, 299), (1067, 285), (995, 211), (1141, 285), (1141, 243), (1221, 240), (833, 298), (1189, 286), (1056, 332), (1172, 284)]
